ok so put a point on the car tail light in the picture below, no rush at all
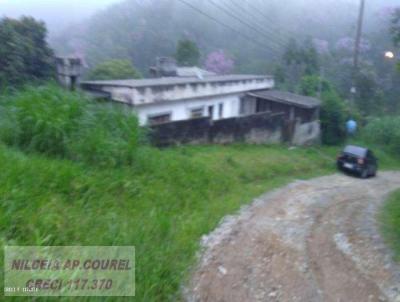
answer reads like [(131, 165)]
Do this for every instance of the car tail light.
[(360, 161)]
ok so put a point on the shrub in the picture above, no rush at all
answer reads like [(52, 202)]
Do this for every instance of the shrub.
[(310, 85), (114, 69), (52, 121), (333, 119), (384, 131), (333, 110)]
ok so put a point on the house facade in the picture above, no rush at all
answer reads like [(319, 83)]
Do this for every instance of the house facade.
[(169, 99)]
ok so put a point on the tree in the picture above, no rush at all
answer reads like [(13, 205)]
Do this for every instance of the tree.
[(114, 70), (369, 98), (219, 62), (395, 28), (311, 85), (24, 53), (187, 53), (333, 119), (333, 109), (297, 62)]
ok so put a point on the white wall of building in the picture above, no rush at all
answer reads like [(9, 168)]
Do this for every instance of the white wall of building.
[(169, 93), (181, 110), (177, 96)]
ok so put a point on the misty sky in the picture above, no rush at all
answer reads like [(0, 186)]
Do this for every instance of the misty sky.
[(56, 13)]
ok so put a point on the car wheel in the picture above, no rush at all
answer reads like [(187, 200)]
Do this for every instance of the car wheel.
[(364, 173)]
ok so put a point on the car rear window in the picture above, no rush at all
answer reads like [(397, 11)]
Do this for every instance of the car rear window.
[(354, 150)]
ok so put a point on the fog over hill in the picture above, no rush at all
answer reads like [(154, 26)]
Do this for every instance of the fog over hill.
[(254, 32), (57, 14)]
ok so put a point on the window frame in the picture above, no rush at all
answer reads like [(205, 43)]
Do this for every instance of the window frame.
[(190, 111), (155, 115)]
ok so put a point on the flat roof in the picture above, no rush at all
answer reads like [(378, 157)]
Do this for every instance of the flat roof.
[(287, 98), (167, 81)]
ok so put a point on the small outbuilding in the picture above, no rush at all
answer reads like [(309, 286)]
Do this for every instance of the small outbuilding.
[(301, 113), (294, 106)]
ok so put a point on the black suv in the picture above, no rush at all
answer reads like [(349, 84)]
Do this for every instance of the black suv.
[(358, 160)]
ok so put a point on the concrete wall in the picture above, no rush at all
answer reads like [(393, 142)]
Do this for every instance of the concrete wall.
[(69, 70), (256, 129), (180, 110), (307, 133)]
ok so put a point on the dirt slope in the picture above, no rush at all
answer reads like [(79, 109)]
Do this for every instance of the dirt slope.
[(310, 241)]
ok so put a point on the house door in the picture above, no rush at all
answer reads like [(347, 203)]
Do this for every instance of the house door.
[(262, 106)]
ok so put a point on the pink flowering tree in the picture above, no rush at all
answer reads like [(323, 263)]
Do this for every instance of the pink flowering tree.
[(347, 44), (219, 62), (322, 46), (387, 13)]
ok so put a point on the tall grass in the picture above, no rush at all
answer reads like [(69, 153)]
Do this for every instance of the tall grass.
[(390, 223), (384, 132), (63, 124), (162, 204)]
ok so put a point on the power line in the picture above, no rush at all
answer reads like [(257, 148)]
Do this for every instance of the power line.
[(271, 32), (239, 19), (228, 26), (249, 3), (289, 33)]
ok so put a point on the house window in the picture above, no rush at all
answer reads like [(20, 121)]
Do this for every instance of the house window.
[(197, 112), (211, 111), (221, 110), (159, 119)]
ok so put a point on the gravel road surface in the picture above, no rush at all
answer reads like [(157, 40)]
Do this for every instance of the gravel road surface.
[(315, 240)]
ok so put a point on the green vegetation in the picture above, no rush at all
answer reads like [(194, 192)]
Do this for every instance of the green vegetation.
[(68, 125), (334, 111), (333, 119), (390, 223), (395, 26), (162, 206), (114, 70), (187, 53), (24, 53), (384, 132)]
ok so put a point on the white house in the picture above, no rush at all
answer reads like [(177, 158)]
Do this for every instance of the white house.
[(161, 100)]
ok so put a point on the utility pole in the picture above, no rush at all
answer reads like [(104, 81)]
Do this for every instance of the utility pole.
[(357, 46), (358, 36)]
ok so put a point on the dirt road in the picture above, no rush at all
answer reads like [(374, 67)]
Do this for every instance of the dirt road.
[(310, 241)]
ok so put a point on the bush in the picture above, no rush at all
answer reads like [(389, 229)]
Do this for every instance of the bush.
[(310, 85), (52, 121), (333, 109), (333, 119), (384, 131), (114, 70)]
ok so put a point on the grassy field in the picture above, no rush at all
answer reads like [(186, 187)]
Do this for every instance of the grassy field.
[(390, 223), (77, 173), (162, 208)]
